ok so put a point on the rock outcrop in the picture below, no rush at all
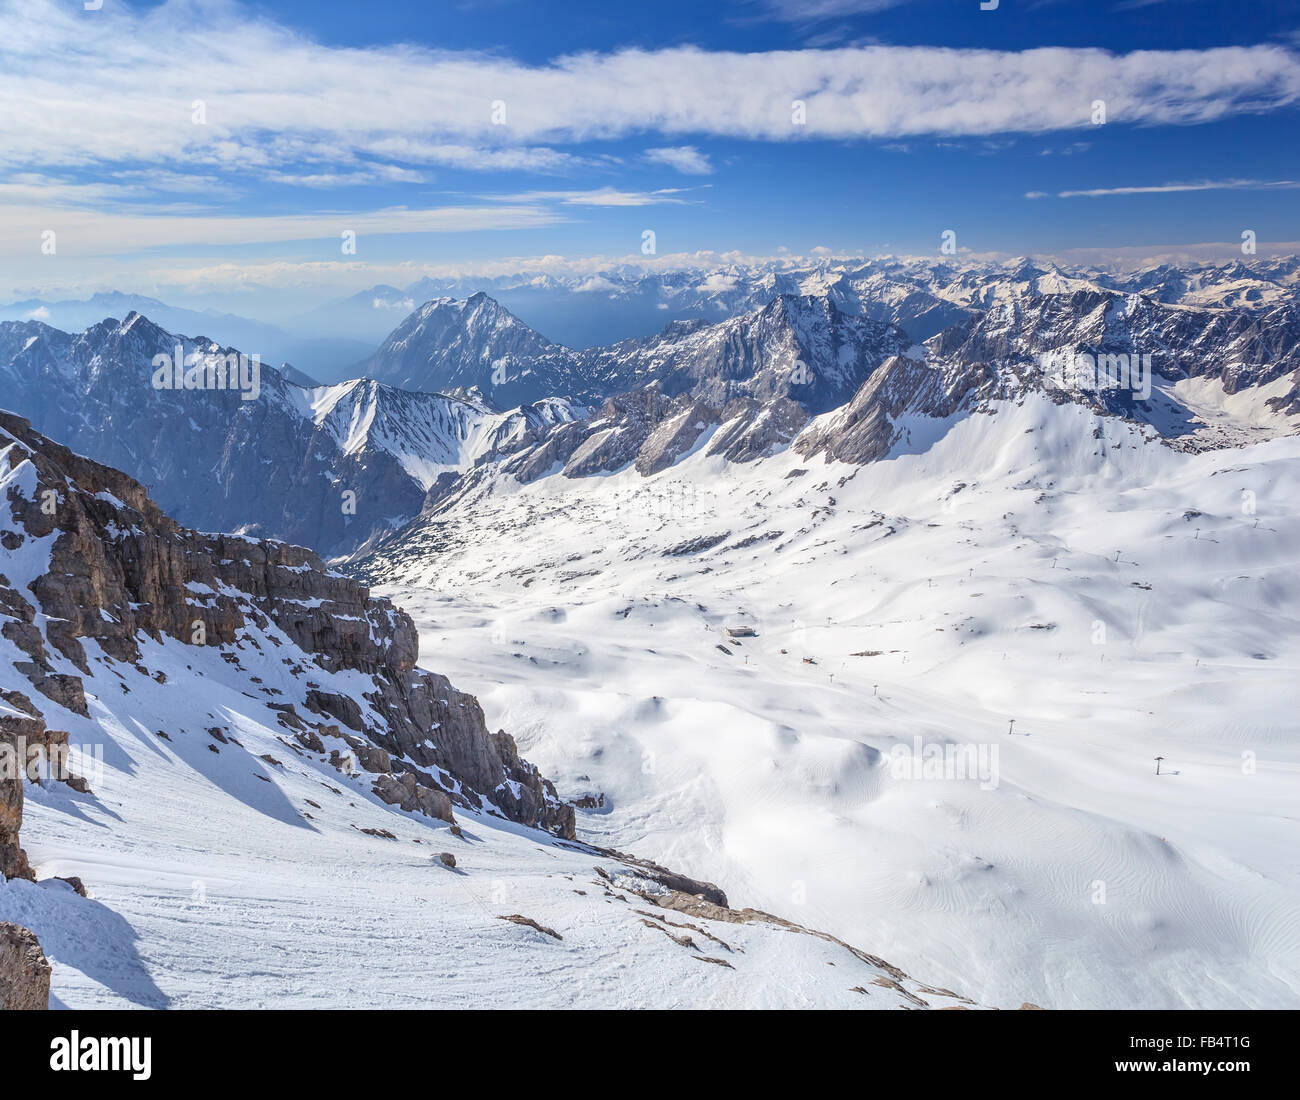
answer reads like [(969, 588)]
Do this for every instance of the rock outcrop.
[(15, 728), (24, 970), (117, 570)]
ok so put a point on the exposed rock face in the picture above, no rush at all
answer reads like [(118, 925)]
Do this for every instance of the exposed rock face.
[(616, 437), (24, 971), (13, 860), (673, 437), (799, 347), (751, 431), (407, 794), (119, 569), (474, 344), (1240, 347), (670, 880), (277, 464), (865, 429), (26, 745), (1237, 347), (16, 729)]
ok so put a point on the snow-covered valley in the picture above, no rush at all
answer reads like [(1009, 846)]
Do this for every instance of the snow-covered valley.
[(1053, 589), (268, 805), (225, 881)]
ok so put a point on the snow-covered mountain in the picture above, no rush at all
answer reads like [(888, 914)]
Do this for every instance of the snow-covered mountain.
[(803, 348), (448, 345), (773, 368), (338, 467), (326, 466), (1256, 285), (1198, 378), (800, 348), (921, 295), (240, 768), (335, 466), (750, 386), (914, 694), (1057, 536), (317, 356)]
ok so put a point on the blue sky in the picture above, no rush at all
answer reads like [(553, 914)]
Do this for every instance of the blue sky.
[(191, 149)]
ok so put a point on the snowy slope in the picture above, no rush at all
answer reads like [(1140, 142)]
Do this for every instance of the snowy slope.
[(1034, 562), (226, 881), (241, 848)]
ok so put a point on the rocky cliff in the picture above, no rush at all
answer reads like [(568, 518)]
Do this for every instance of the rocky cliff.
[(92, 570), (24, 970)]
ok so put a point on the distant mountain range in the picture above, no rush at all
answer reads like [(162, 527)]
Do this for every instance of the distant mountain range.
[(463, 390), (312, 356), (624, 301), (280, 464), (923, 296)]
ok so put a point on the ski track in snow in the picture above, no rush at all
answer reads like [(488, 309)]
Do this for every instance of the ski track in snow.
[(1117, 599)]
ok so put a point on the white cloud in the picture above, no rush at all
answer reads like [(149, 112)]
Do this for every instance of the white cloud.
[(1169, 188), (684, 158), (718, 283), (538, 159), (116, 87), (594, 284), (379, 173), (88, 232), (603, 196)]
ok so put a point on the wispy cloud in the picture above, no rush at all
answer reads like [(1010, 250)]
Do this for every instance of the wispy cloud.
[(810, 11), (92, 232), (118, 87), (684, 158), (603, 196), (255, 279), (346, 275), (379, 173), (1171, 188)]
